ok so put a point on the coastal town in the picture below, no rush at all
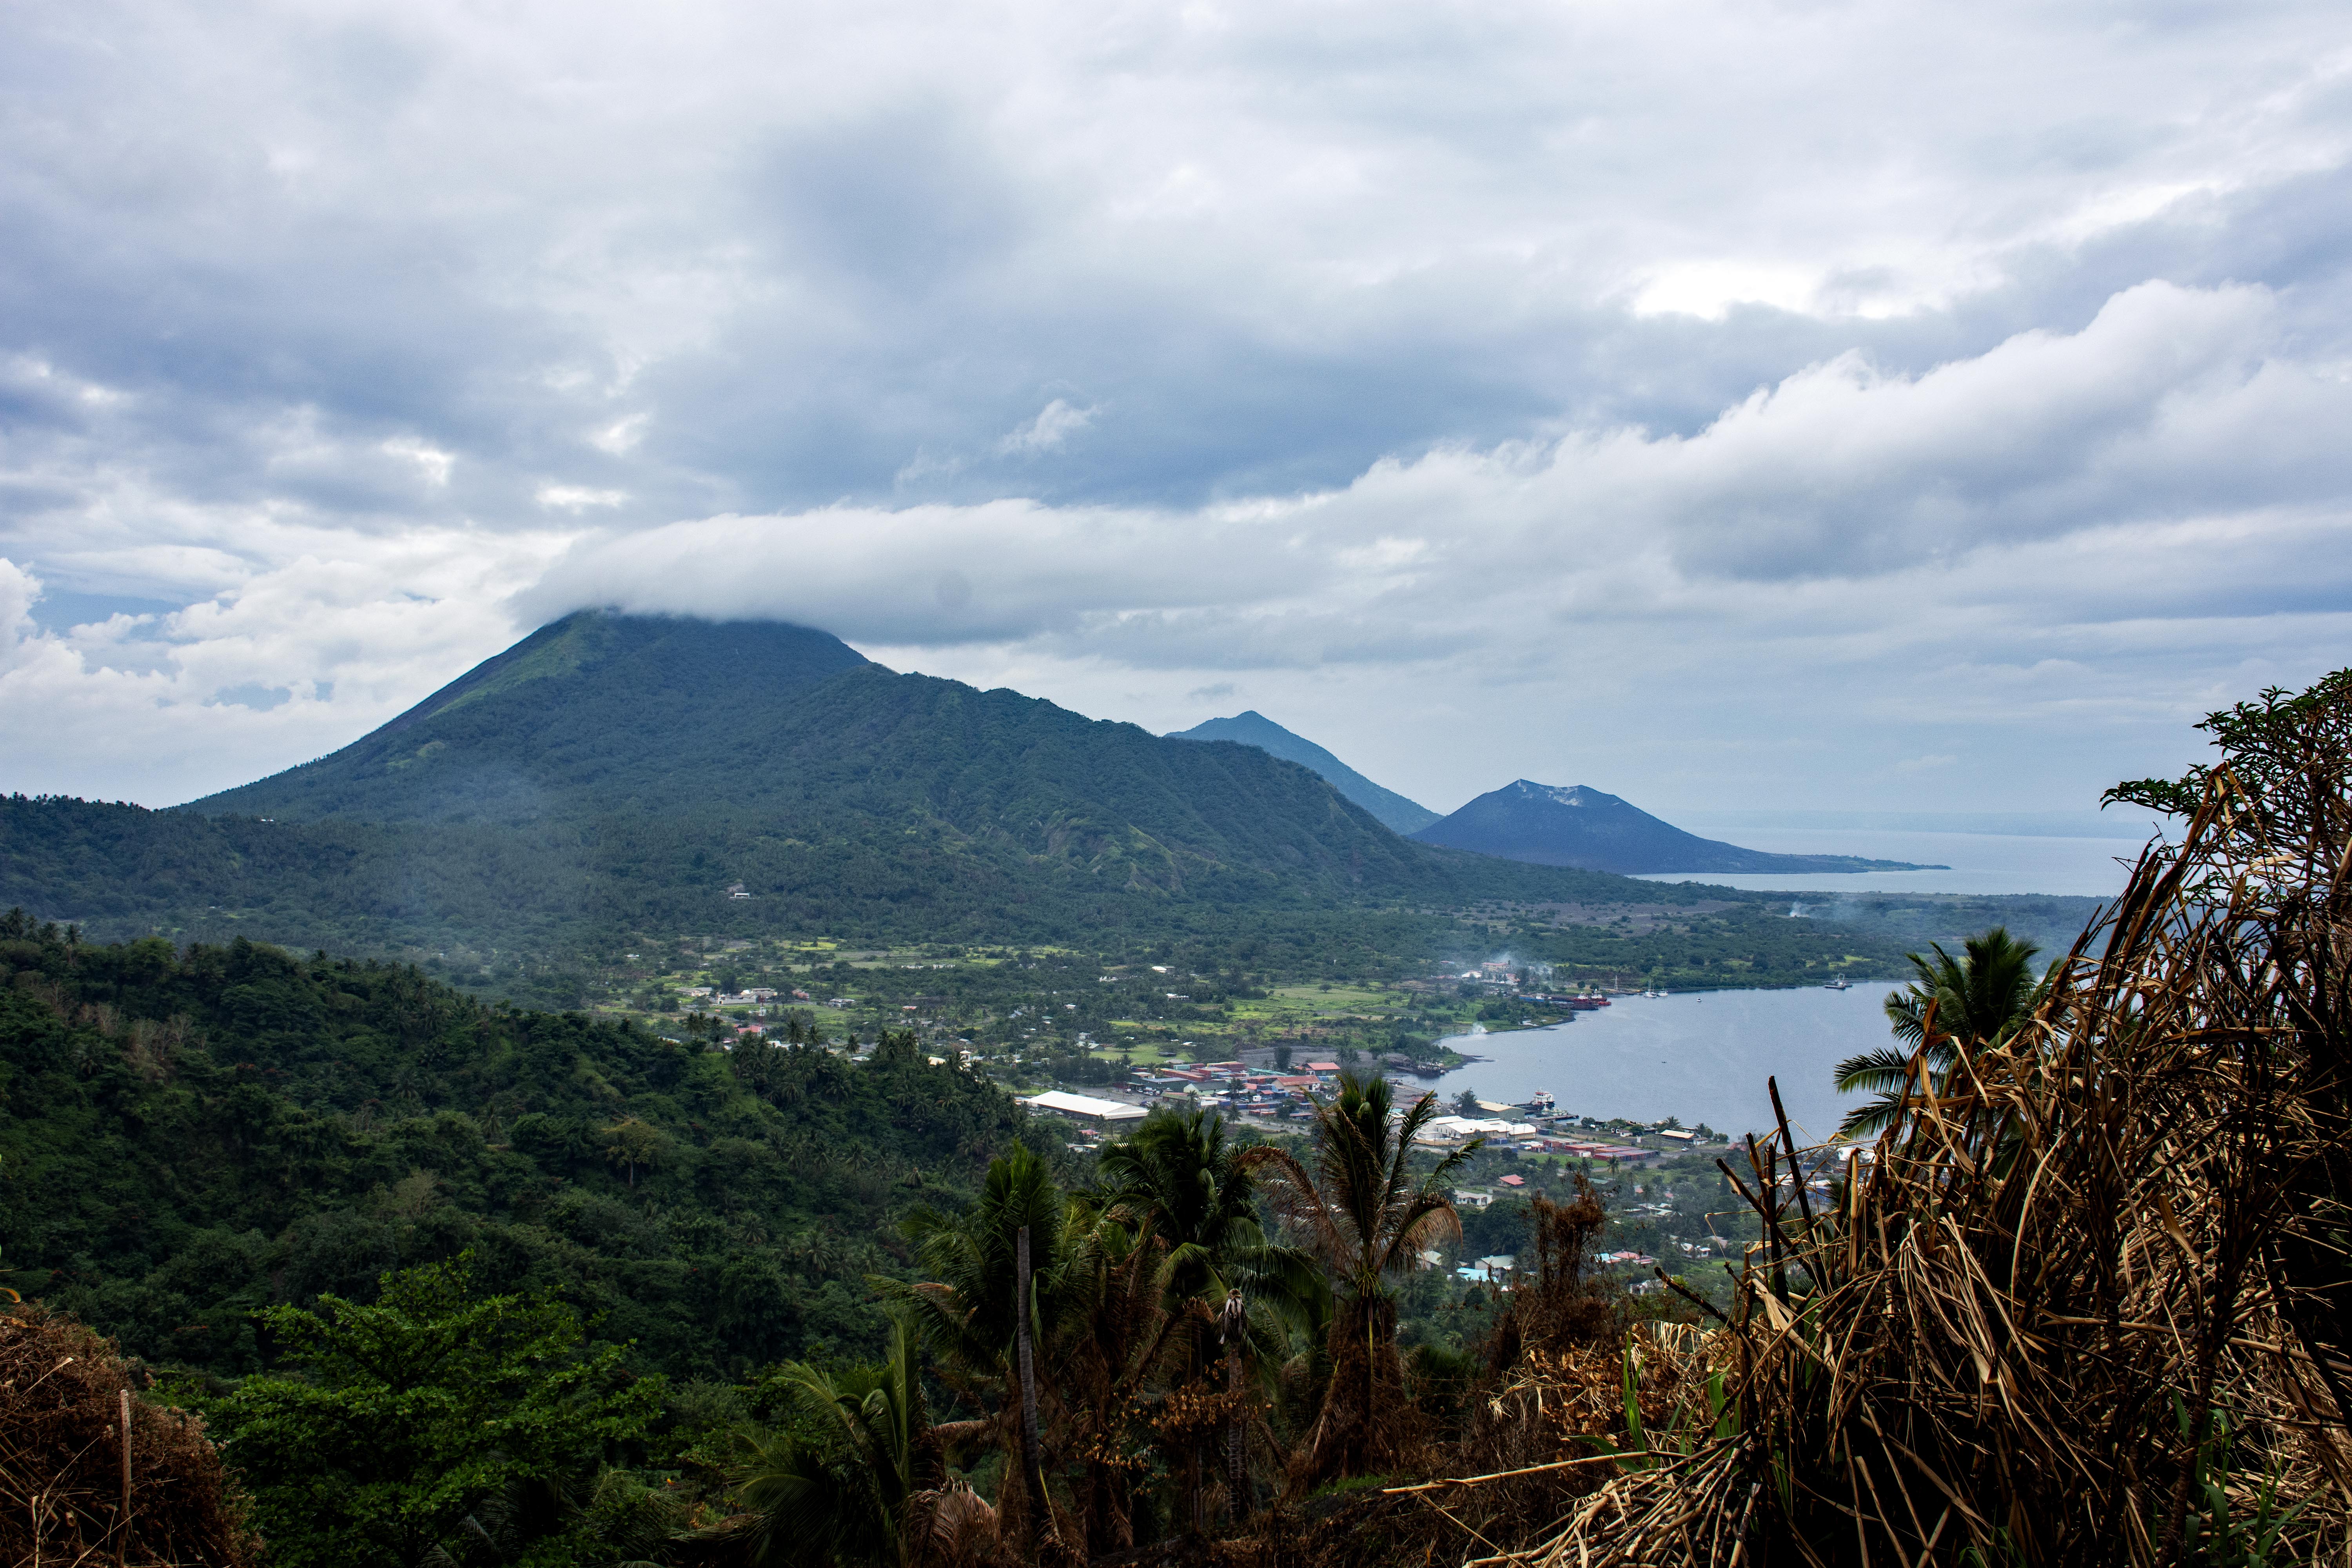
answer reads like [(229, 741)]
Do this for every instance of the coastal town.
[(1248, 1095), (1153, 1046), (1091, 1046)]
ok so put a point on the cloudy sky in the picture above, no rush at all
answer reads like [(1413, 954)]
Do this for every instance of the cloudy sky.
[(1783, 405)]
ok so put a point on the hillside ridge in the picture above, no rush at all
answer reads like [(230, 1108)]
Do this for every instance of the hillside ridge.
[(1252, 728)]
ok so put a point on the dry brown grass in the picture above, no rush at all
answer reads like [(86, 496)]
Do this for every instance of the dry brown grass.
[(61, 1454)]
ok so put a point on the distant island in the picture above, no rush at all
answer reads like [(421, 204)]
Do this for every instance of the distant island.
[(1574, 825)]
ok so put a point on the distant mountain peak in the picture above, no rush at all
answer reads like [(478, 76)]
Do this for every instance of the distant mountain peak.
[(1251, 728), (1566, 794), (590, 682), (1576, 825)]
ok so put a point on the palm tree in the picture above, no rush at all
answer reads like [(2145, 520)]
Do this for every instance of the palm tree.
[(996, 1289), (1110, 1343), (836, 1484), (1177, 1174), (1957, 1008), (1367, 1216), (1199, 1194), (1099, 1329), (1178, 1171)]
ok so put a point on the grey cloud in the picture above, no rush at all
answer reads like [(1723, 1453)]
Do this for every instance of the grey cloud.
[(925, 271), (2168, 405), (899, 203), (1521, 344)]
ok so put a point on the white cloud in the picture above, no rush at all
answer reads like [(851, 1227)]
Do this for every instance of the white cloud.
[(160, 708), (578, 497), (18, 589), (621, 435), (2166, 406), (431, 460), (1710, 289), (1055, 422)]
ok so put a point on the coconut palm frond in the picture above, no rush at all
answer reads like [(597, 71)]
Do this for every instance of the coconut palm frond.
[(808, 1509), (1881, 1071), (1956, 1010)]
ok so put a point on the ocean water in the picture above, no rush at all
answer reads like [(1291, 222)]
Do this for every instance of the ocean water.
[(1979, 862), (1702, 1056)]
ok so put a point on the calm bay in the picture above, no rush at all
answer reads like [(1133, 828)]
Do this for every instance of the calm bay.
[(1702, 1056)]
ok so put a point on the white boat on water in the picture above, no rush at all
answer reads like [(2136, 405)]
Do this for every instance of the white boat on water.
[(1840, 984)]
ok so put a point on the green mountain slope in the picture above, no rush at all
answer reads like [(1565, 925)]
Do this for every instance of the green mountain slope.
[(793, 735), (616, 775), (617, 779), (1252, 728), (591, 713)]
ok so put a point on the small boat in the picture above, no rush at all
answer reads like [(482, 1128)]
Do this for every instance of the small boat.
[(1840, 984)]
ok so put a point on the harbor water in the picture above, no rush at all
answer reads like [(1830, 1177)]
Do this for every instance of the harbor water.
[(1703, 1057)]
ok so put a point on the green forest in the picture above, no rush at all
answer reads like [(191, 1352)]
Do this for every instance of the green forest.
[(193, 1135), (544, 914)]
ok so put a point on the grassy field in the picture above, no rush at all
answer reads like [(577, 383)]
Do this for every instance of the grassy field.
[(1142, 1055)]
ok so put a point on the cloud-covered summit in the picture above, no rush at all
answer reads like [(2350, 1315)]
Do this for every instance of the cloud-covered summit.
[(1783, 391)]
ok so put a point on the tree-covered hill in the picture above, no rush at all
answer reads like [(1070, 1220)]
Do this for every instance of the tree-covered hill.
[(591, 713), (769, 749), (601, 718), (185, 1136), (537, 913), (555, 889)]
